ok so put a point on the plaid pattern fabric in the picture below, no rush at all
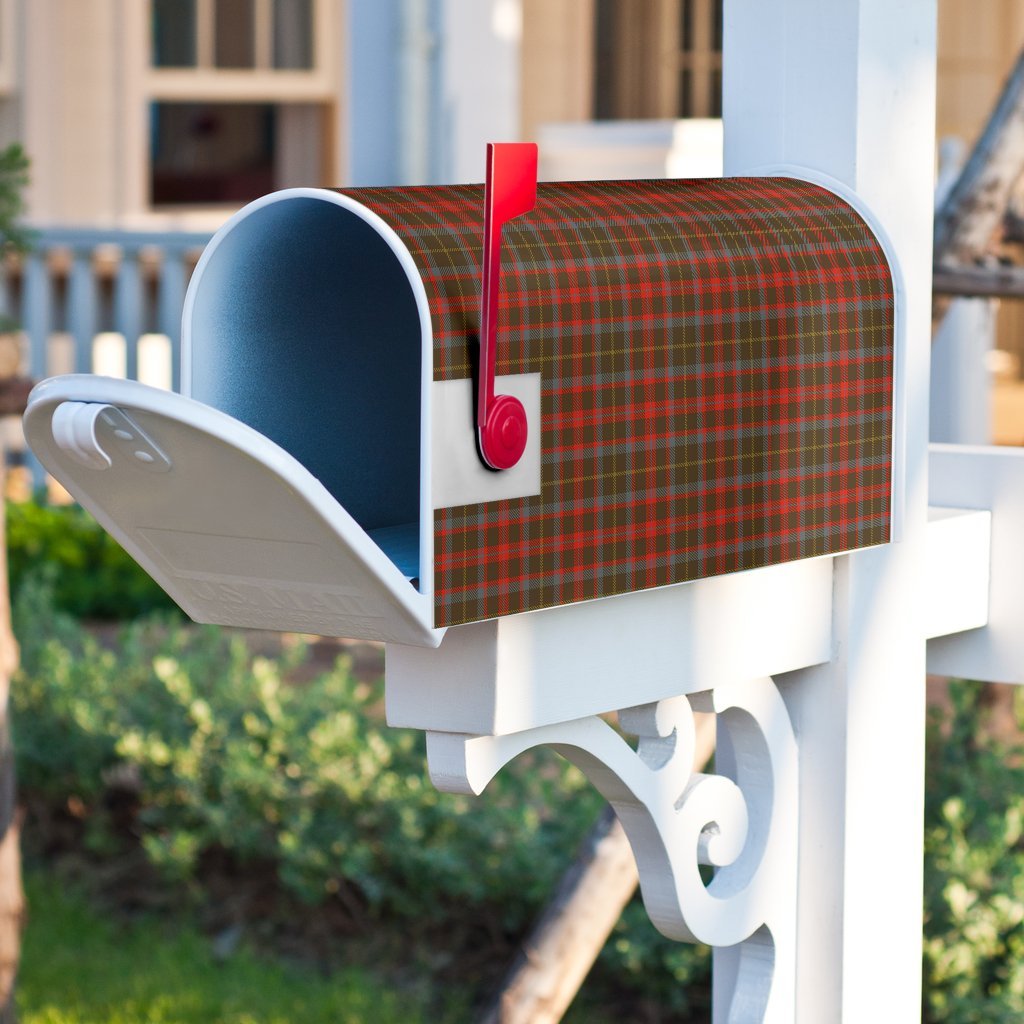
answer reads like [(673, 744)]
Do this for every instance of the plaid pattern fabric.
[(716, 361)]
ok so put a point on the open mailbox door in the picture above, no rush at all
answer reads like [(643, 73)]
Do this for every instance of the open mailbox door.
[(234, 528)]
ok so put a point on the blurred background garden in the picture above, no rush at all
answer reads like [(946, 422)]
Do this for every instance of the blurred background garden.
[(202, 803), (218, 826)]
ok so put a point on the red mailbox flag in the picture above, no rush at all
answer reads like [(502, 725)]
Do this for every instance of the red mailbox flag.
[(511, 190)]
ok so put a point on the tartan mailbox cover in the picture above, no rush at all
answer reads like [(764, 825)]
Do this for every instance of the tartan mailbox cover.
[(706, 368)]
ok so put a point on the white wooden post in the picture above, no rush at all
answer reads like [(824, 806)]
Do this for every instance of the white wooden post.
[(961, 390), (848, 89), (479, 69), (960, 405)]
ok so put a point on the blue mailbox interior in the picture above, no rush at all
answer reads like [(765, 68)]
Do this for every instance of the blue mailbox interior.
[(305, 327)]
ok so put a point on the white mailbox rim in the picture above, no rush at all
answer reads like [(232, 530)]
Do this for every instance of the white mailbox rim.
[(189, 328)]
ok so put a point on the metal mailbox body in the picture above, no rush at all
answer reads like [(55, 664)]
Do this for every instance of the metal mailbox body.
[(707, 368)]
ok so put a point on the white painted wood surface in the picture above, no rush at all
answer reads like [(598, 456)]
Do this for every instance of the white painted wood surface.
[(986, 478), (677, 820), (524, 671), (592, 150), (849, 89), (960, 409), (478, 80), (957, 564)]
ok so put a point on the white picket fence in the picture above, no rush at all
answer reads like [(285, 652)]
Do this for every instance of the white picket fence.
[(99, 301), (102, 301)]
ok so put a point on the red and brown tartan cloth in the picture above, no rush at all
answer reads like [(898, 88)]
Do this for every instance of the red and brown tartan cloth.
[(716, 359)]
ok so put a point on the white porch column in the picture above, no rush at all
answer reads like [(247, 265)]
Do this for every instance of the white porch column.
[(479, 83), (848, 89), (373, 48), (961, 381)]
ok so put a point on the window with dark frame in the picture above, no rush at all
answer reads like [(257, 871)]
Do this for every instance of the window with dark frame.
[(204, 151), (233, 34), (211, 153), (657, 58)]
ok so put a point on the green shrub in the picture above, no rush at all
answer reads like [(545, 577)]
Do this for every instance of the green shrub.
[(226, 755), (974, 869), (91, 575)]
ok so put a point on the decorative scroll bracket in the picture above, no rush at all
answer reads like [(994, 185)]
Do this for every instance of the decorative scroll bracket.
[(743, 822)]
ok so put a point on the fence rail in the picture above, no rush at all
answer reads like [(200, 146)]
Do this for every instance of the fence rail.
[(102, 301), (97, 301)]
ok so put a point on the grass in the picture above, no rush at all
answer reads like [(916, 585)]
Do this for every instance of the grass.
[(79, 968)]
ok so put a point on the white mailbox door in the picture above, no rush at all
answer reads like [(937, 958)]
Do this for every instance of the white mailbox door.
[(231, 526)]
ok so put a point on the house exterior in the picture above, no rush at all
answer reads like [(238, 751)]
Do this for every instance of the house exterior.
[(169, 114), (129, 109), (150, 122)]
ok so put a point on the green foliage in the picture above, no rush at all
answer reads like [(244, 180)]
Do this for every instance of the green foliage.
[(225, 755), (80, 968), (974, 870), (14, 237), (670, 975), (14, 166), (90, 573)]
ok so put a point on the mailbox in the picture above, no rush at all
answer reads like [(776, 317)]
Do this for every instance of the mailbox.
[(705, 369)]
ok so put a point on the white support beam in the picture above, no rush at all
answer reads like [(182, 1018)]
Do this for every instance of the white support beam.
[(956, 590), (993, 479), (848, 89), (960, 410)]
